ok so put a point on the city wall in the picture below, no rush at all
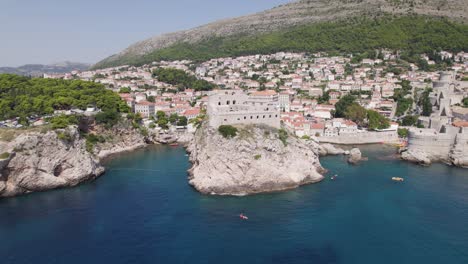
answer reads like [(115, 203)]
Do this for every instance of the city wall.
[(370, 137)]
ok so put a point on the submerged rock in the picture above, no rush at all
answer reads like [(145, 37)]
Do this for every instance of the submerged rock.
[(254, 161)]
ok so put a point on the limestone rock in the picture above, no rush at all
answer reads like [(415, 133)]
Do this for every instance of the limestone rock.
[(254, 161), (355, 156), (329, 149), (43, 162), (416, 156), (121, 138)]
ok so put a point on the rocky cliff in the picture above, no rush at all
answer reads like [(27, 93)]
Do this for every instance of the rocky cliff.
[(56, 159), (255, 161)]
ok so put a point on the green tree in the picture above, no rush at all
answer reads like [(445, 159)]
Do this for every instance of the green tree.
[(163, 123), (409, 120), (181, 79), (63, 121), (108, 118), (356, 113), (173, 118), (160, 115), (182, 121), (376, 120), (343, 104), (425, 103)]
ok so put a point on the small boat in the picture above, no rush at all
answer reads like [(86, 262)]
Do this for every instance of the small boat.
[(174, 144), (243, 217), (398, 179), (334, 177)]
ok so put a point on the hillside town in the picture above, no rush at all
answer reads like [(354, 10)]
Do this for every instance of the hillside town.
[(297, 90)]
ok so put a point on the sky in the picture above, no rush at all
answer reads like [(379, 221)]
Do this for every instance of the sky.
[(50, 31)]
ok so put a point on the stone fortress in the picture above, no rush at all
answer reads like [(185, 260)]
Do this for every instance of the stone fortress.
[(233, 107), (445, 136)]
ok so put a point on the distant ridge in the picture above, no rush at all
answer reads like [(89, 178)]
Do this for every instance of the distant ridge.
[(283, 18), (40, 69)]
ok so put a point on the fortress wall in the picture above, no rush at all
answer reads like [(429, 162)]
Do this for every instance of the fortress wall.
[(438, 145), (362, 138), (268, 118)]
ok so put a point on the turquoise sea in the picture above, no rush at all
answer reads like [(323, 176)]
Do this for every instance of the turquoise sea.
[(143, 211)]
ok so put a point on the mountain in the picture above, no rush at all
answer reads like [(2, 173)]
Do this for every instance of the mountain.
[(309, 19), (40, 69)]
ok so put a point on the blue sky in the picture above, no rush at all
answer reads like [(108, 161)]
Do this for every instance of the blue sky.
[(48, 31)]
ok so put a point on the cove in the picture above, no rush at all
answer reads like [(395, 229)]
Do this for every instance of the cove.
[(143, 211)]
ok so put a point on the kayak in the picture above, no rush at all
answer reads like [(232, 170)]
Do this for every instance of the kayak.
[(243, 217)]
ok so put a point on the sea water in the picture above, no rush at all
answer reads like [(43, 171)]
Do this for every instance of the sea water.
[(143, 211)]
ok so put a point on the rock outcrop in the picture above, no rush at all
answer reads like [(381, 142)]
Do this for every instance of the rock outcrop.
[(329, 149), (61, 158), (418, 156), (40, 162), (254, 161), (120, 138), (355, 156)]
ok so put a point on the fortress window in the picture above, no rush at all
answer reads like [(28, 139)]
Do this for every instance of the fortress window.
[(227, 102), (219, 103), (234, 102), (276, 115), (257, 117), (225, 120), (263, 116), (245, 117), (251, 117), (270, 116)]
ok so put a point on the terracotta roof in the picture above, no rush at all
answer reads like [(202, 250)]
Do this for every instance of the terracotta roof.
[(145, 103), (190, 112), (460, 123), (264, 93)]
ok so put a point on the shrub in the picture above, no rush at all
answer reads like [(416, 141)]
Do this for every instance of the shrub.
[(257, 157), (4, 155), (64, 136), (403, 132), (227, 131), (91, 140), (305, 137), (283, 136)]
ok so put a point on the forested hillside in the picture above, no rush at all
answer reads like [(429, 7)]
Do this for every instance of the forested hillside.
[(23, 96), (413, 34)]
